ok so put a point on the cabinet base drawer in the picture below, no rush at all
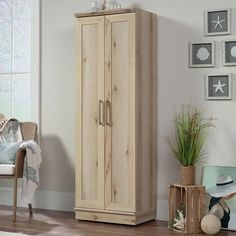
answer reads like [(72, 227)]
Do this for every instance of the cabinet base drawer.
[(115, 217)]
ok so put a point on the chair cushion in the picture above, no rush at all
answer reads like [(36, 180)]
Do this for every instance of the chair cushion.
[(8, 152), (7, 169)]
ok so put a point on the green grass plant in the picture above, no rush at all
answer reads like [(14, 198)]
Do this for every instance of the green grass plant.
[(190, 134)]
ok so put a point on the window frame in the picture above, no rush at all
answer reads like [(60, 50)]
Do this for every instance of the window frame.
[(35, 70), (36, 61)]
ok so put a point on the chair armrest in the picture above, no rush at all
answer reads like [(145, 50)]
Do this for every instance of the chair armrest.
[(19, 163)]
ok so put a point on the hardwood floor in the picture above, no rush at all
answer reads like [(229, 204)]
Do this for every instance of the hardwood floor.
[(56, 223)]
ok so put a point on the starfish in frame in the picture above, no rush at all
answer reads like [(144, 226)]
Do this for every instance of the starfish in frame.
[(218, 22), (219, 86)]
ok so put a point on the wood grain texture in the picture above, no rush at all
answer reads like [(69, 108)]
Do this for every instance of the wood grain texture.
[(90, 112), (120, 113), (192, 200), (146, 109), (130, 100), (120, 81), (106, 12), (118, 217), (90, 90), (57, 223)]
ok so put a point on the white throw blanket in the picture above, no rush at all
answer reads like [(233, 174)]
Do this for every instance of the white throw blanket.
[(32, 163), (12, 133)]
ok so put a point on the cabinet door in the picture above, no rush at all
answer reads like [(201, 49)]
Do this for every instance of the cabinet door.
[(120, 110), (90, 109)]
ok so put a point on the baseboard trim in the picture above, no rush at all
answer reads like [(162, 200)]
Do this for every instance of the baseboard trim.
[(63, 201), (50, 200)]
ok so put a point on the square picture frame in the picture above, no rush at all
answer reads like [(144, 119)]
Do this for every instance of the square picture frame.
[(217, 22), (218, 86), (201, 54), (229, 52)]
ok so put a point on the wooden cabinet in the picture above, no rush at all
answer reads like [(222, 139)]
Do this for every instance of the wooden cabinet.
[(116, 116)]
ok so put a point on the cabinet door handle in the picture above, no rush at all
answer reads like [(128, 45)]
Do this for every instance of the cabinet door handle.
[(101, 113), (108, 113)]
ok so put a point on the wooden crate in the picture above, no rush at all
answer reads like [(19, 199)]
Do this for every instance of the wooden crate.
[(191, 200)]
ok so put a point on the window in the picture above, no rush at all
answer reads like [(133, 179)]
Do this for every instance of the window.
[(15, 58)]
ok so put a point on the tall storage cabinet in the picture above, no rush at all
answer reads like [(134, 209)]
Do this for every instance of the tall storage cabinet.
[(116, 116)]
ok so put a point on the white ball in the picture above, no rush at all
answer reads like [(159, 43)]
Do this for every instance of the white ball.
[(210, 224)]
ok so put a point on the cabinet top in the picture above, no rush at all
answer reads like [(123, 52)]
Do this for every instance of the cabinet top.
[(108, 12)]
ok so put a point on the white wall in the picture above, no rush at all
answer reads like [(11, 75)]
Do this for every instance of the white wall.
[(179, 22)]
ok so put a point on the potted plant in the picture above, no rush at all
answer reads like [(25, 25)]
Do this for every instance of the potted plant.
[(187, 142)]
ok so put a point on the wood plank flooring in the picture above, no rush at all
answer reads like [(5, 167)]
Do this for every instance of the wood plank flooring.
[(57, 223)]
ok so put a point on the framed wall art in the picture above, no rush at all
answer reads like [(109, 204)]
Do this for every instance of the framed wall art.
[(217, 22), (218, 87), (229, 52), (220, 183), (202, 54)]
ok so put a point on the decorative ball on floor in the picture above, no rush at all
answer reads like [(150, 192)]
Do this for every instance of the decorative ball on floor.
[(210, 224)]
